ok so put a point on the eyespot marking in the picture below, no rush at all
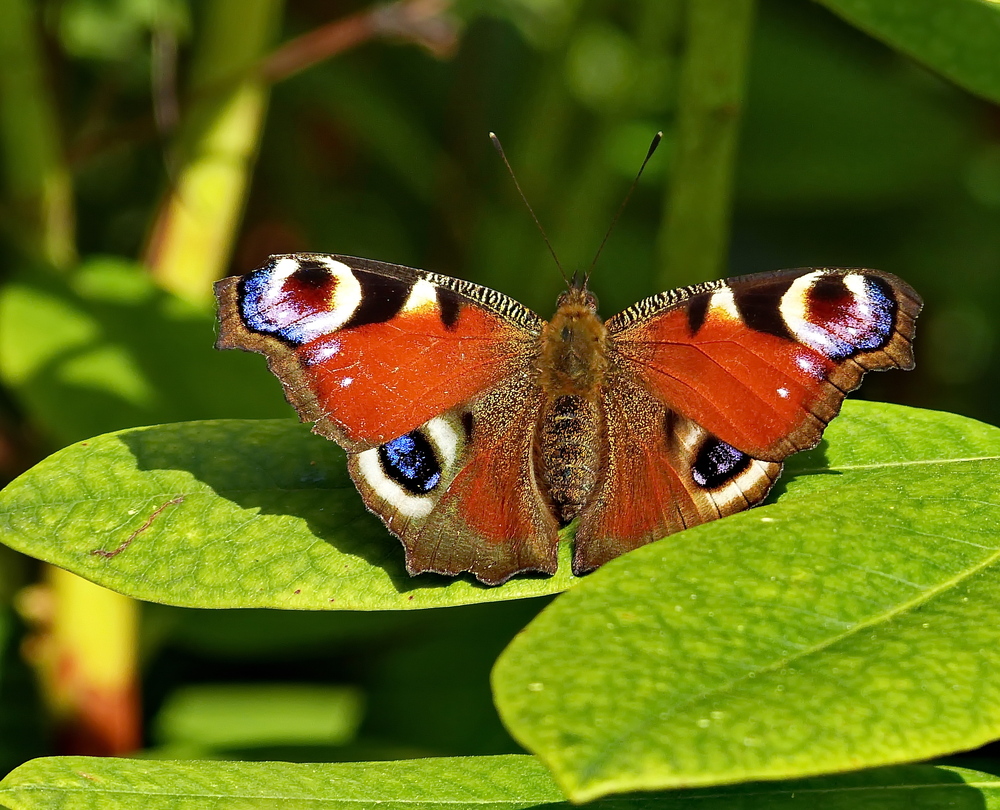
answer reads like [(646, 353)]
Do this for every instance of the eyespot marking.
[(410, 471), (297, 300), (717, 463), (840, 315), (410, 461)]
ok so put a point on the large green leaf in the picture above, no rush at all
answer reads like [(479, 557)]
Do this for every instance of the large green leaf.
[(263, 514), (852, 623), (227, 513), (469, 783), (958, 38)]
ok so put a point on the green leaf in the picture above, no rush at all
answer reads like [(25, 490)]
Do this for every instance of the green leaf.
[(958, 38), (232, 715), (224, 514), (504, 783), (850, 624), (263, 514), (470, 783), (831, 125)]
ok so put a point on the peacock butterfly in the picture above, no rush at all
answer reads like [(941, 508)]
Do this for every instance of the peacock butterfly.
[(476, 430)]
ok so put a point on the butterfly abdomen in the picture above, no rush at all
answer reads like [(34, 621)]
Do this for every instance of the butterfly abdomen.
[(572, 366), (567, 455)]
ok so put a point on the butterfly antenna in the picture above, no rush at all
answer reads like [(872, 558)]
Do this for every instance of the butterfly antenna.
[(499, 148), (652, 148)]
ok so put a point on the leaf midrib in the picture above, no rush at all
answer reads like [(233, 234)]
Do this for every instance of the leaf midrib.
[(884, 464)]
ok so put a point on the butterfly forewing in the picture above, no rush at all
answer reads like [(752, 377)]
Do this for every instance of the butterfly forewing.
[(370, 351), (763, 362)]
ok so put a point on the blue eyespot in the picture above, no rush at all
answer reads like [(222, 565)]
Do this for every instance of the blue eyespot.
[(718, 463), (882, 313), (859, 324), (410, 461)]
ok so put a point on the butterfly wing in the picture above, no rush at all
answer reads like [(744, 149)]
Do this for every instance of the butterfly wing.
[(714, 385), (763, 362), (427, 381), (660, 473), (461, 491)]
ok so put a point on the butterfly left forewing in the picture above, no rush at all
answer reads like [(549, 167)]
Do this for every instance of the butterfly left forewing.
[(369, 351)]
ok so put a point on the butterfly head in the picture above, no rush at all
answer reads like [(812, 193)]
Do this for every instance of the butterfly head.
[(574, 354), (578, 295)]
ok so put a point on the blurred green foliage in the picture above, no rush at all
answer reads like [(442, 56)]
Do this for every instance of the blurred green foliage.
[(850, 153)]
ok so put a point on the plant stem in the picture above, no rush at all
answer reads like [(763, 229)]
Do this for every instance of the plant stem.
[(192, 237), (39, 186), (694, 235), (89, 667)]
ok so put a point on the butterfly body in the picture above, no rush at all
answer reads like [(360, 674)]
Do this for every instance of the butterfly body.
[(476, 431)]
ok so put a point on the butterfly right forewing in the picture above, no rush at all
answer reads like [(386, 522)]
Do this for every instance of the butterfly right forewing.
[(763, 362)]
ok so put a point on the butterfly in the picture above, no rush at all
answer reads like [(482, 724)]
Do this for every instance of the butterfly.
[(476, 431)]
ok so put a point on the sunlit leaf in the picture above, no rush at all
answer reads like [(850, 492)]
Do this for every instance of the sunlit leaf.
[(850, 624), (263, 514), (470, 783), (224, 514), (958, 38)]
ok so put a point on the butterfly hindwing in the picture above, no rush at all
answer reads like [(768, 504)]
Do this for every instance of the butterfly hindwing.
[(461, 492), (660, 473)]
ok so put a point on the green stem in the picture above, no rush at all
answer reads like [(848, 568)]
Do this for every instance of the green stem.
[(39, 187), (694, 236), (192, 238)]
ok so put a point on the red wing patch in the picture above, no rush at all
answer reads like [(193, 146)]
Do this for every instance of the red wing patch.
[(660, 473)]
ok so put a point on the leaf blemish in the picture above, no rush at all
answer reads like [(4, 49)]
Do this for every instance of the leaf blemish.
[(100, 552)]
